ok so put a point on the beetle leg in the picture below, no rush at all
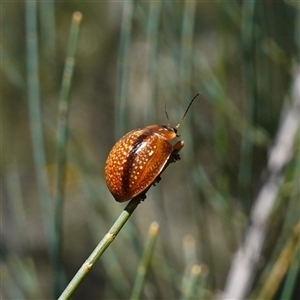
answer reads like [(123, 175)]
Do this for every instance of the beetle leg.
[(176, 148), (143, 196), (157, 180)]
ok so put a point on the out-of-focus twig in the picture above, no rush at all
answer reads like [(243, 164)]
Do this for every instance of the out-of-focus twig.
[(62, 136), (145, 262), (246, 260), (36, 119), (281, 266)]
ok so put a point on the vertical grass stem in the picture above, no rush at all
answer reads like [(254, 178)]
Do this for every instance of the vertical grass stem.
[(36, 124), (145, 262), (61, 146), (125, 38)]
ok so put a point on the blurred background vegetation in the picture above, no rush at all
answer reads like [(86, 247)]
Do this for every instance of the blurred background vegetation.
[(132, 57)]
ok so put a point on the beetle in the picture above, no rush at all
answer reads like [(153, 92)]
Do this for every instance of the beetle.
[(136, 160)]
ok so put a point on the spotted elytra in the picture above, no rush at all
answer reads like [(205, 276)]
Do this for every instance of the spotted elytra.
[(137, 159)]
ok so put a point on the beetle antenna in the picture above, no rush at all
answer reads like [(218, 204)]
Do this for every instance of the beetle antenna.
[(177, 126), (167, 114)]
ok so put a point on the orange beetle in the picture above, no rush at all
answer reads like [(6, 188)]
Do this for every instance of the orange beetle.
[(137, 159)]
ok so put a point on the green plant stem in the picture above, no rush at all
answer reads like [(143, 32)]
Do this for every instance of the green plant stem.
[(145, 262), (47, 21), (110, 236), (281, 266), (191, 284), (101, 247), (48, 41), (36, 124), (186, 64), (291, 278), (187, 35), (61, 148), (151, 59), (125, 38), (190, 258)]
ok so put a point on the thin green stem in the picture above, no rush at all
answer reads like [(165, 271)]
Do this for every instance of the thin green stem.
[(47, 18), (291, 278), (145, 262), (36, 124), (191, 284), (281, 266), (110, 236), (190, 257), (151, 59), (123, 67), (186, 64), (101, 247), (187, 35), (48, 41), (112, 265), (61, 146)]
